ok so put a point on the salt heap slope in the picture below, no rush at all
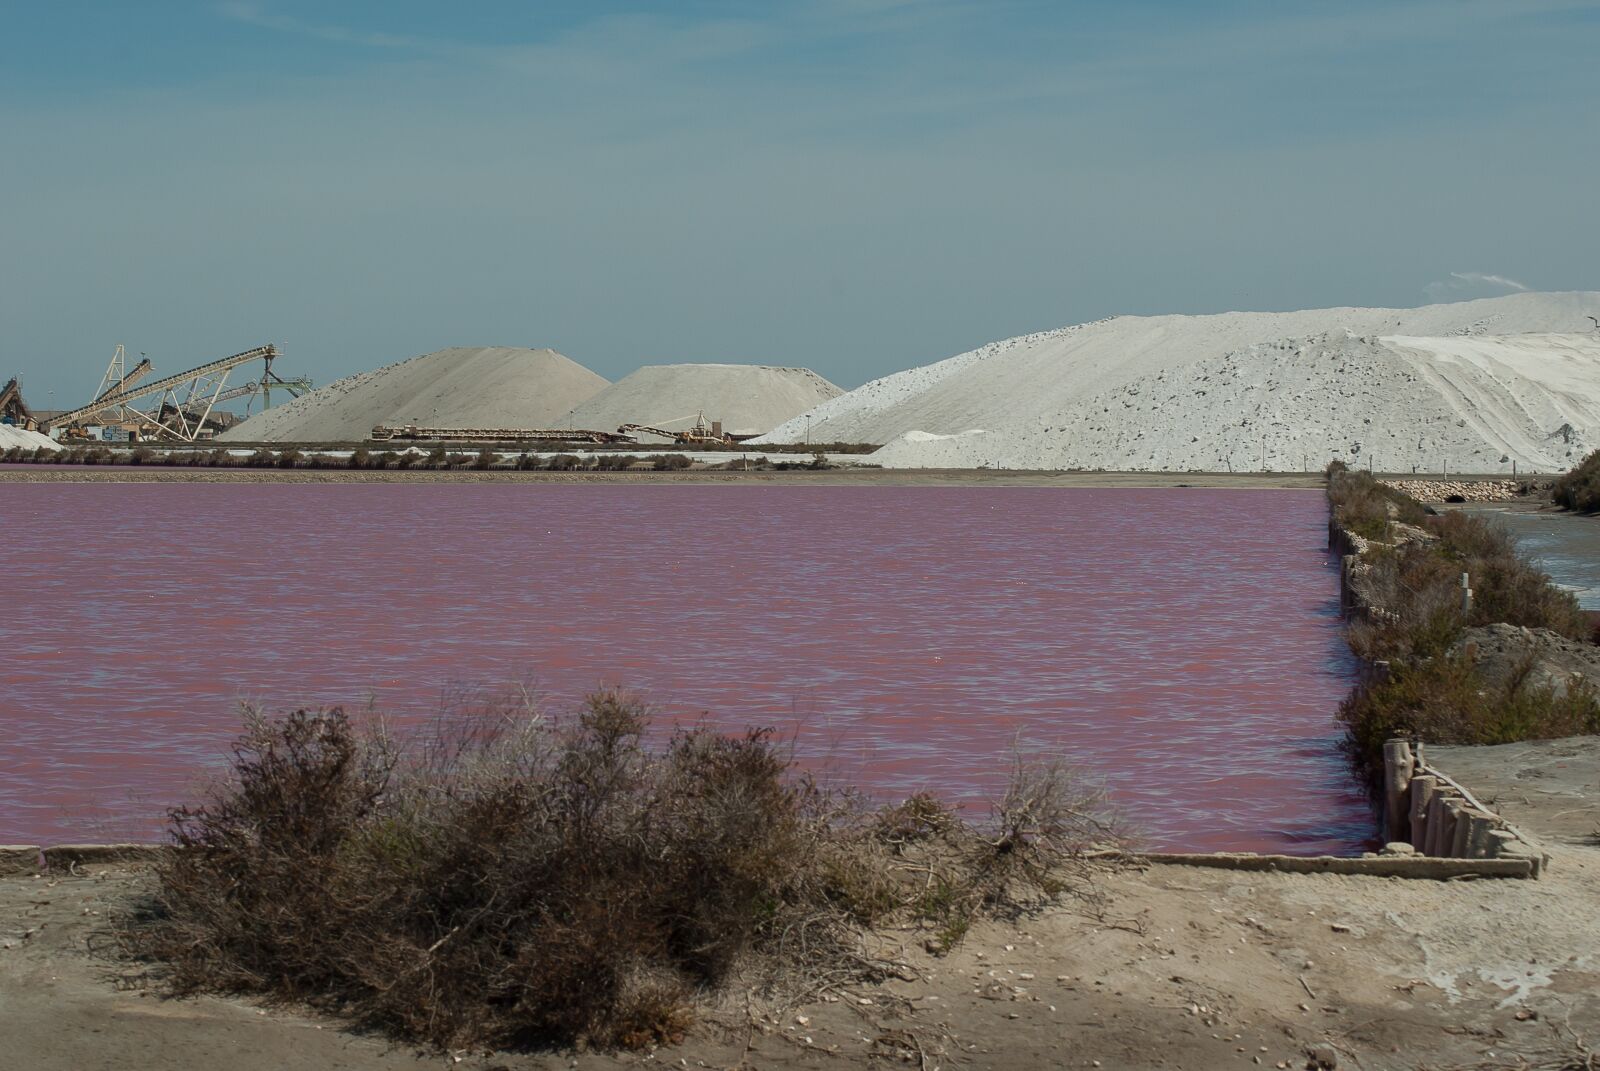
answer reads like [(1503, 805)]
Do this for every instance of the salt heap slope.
[(12, 436), (748, 399), (1117, 393), (1398, 403), (488, 387)]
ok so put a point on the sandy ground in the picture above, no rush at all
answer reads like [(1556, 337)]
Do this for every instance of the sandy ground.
[(1189, 968), (1553, 786)]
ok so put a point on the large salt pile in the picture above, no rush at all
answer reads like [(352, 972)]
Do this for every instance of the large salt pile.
[(748, 399), (1460, 385), (12, 436), (488, 387)]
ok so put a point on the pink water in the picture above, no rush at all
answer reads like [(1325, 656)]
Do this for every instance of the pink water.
[(1183, 644)]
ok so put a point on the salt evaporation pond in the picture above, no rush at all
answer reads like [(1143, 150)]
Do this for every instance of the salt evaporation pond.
[(1183, 644)]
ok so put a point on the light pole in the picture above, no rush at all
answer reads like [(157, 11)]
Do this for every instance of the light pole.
[(808, 429)]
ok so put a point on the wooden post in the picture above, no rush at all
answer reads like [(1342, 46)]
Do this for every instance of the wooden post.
[(1397, 768), (1460, 826), (1479, 825), (1499, 841), (1447, 826), (1422, 790), (1441, 828)]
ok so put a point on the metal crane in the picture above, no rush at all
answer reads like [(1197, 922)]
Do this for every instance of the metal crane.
[(186, 399)]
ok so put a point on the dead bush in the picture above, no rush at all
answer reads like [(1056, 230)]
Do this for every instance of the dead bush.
[(509, 879), (1366, 507)]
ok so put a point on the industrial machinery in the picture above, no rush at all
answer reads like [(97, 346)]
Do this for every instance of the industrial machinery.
[(117, 379), (384, 433), (183, 402), (262, 389), (13, 410), (700, 432)]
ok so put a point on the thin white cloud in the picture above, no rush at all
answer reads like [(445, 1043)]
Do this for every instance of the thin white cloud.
[(1491, 280), (1463, 284), (254, 15)]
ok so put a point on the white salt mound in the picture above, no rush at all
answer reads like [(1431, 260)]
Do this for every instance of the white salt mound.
[(746, 398), (1459, 385), (488, 387), (12, 436)]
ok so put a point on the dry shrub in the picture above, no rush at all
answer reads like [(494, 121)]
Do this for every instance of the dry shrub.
[(1365, 506), (1444, 700), (517, 880), (1417, 587), (1580, 488), (1427, 692), (1418, 594)]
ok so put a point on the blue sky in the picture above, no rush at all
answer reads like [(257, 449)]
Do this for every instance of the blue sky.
[(854, 185)]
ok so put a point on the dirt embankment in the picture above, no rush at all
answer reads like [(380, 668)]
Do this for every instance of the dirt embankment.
[(1190, 968)]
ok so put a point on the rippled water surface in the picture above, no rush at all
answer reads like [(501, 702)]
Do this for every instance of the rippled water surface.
[(1182, 643)]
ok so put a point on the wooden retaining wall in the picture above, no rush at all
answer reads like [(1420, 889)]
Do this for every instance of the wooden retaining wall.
[(1440, 818), (1424, 807)]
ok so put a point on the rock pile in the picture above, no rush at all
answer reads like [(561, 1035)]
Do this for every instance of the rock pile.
[(1503, 653), (1458, 490)]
